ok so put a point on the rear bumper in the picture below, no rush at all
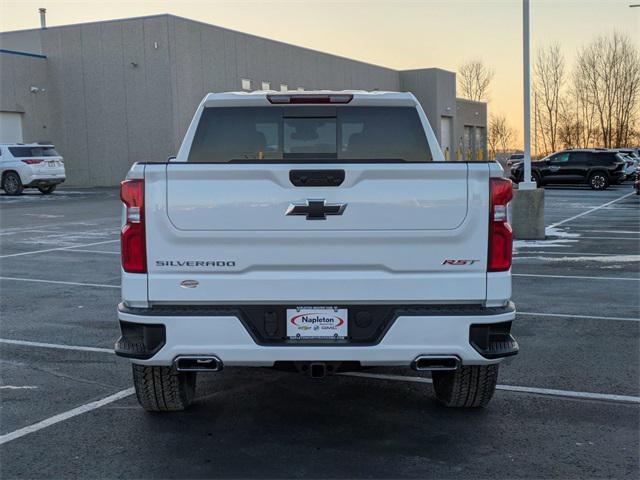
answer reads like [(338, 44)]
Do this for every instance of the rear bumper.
[(44, 181), (618, 177), (158, 336)]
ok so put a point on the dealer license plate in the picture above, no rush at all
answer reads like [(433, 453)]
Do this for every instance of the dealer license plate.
[(317, 322)]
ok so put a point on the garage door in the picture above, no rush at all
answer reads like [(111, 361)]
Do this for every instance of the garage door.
[(10, 127)]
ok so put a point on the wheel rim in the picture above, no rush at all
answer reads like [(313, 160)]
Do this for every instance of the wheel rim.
[(10, 184), (598, 181)]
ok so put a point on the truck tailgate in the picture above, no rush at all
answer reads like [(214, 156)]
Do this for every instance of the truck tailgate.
[(408, 233)]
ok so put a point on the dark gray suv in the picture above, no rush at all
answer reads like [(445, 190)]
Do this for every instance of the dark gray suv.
[(596, 168)]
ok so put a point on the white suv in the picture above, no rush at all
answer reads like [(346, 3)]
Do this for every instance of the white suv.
[(30, 165), (318, 232)]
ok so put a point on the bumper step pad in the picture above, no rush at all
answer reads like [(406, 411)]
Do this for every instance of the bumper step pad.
[(493, 340)]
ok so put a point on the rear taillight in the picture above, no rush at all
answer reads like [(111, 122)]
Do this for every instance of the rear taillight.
[(132, 237), (31, 161), (500, 236)]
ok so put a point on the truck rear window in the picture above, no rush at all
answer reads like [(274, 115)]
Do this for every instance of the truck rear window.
[(22, 152), (299, 134)]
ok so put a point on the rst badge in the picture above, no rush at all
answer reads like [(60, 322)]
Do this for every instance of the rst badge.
[(317, 322), (459, 262)]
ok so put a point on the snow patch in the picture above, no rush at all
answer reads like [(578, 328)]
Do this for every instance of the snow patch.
[(595, 258), (556, 237), (13, 387)]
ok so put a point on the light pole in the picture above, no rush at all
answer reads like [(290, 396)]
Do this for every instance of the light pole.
[(526, 183), (527, 207)]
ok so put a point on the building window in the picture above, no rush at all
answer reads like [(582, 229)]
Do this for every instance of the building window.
[(246, 84), (266, 86), (283, 87)]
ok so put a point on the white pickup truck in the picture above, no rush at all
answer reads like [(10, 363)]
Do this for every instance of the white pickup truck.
[(317, 232)]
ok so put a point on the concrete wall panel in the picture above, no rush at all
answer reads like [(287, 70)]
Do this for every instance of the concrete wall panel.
[(159, 123), (228, 45), (74, 108), (137, 108), (93, 76), (52, 48), (8, 66), (22, 41), (189, 78), (214, 62), (113, 111), (17, 75)]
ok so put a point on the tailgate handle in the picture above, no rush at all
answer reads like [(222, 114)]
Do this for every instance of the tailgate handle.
[(316, 178)]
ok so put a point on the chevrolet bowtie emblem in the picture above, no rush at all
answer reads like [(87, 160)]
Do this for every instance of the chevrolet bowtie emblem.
[(316, 209)]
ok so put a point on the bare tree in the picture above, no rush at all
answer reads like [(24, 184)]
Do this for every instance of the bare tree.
[(549, 78), (577, 118), (608, 79), (474, 79), (500, 135)]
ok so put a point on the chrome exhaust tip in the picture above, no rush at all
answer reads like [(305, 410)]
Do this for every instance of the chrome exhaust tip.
[(429, 363), (198, 364)]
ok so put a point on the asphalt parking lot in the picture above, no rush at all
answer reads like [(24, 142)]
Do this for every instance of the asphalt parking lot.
[(568, 405)]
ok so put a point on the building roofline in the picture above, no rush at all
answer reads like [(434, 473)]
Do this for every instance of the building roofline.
[(412, 70), (283, 43), (80, 24), (466, 100), (200, 22)]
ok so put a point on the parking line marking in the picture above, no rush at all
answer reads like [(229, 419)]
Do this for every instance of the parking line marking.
[(547, 252), (580, 277), (571, 315), (55, 345), (61, 417), (130, 391), (59, 282), (511, 388), (3, 234), (612, 226), (57, 249), (636, 232), (14, 387), (591, 210), (607, 238), (92, 251)]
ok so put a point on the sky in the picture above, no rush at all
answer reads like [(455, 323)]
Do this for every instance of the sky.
[(400, 34)]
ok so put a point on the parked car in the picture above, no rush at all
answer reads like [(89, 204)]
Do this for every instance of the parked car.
[(596, 168), (31, 165), (632, 160), (340, 240), (514, 158)]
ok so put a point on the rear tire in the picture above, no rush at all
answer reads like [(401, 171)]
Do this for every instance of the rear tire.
[(11, 183), (163, 389), (47, 190), (471, 386), (598, 181)]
